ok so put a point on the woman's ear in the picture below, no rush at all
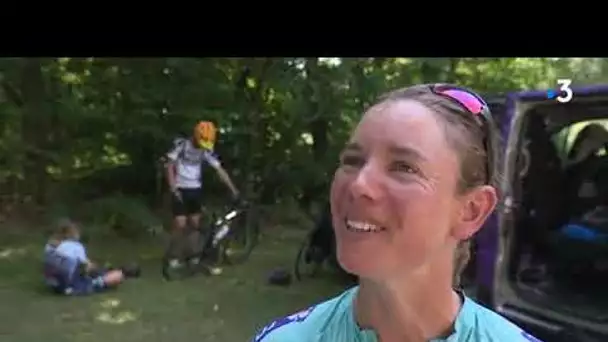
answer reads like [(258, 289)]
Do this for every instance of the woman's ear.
[(475, 207)]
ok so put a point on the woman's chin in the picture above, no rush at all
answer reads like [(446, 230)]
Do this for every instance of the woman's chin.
[(358, 264)]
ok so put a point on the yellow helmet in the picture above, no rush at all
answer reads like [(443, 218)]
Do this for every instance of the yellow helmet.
[(205, 134)]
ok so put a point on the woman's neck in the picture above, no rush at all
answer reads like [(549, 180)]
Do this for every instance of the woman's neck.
[(413, 308)]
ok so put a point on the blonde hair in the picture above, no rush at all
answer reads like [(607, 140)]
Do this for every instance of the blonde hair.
[(478, 148), (64, 229)]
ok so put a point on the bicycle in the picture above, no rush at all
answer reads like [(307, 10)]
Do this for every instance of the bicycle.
[(318, 248), (312, 258), (218, 242)]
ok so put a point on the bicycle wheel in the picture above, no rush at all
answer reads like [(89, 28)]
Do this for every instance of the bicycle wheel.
[(306, 265), (186, 250), (207, 253), (242, 239)]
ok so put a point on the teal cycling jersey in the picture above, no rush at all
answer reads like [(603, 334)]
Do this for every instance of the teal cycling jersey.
[(333, 321)]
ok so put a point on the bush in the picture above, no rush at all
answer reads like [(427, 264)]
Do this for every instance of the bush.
[(120, 215), (126, 216)]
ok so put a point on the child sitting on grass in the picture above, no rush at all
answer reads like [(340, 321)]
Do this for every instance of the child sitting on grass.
[(68, 270)]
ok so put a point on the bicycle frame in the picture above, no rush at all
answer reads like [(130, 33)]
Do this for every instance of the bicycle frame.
[(219, 230)]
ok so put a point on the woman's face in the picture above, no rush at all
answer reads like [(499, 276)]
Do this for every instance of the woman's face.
[(394, 197)]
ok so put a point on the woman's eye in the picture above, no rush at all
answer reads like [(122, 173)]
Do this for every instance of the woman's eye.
[(403, 167), (354, 161)]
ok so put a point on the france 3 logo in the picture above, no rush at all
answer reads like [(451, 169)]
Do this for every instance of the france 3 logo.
[(564, 94)]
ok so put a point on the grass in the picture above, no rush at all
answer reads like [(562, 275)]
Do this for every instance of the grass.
[(226, 308)]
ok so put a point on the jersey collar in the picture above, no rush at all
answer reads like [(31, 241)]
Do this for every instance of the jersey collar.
[(368, 335)]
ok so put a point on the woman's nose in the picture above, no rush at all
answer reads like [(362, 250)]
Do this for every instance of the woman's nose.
[(366, 183)]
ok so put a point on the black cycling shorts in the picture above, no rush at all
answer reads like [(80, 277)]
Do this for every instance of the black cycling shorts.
[(190, 203)]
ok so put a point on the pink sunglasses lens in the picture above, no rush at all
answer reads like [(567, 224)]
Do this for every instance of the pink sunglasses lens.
[(469, 101)]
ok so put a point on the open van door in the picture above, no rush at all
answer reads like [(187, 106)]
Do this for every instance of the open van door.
[(480, 269), (531, 267)]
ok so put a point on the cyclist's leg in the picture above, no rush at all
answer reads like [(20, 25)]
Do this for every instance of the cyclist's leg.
[(110, 279), (86, 285), (194, 204), (178, 229)]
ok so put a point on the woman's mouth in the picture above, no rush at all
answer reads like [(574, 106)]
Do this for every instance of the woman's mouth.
[(363, 227)]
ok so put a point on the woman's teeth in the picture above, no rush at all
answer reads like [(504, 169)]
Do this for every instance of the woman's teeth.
[(359, 226)]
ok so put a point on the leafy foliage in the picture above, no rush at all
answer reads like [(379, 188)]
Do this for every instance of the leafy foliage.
[(85, 128)]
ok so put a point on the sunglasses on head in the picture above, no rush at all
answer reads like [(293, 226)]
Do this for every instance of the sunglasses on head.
[(476, 106)]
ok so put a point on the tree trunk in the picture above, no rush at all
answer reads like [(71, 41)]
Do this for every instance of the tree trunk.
[(34, 128), (451, 74), (318, 128)]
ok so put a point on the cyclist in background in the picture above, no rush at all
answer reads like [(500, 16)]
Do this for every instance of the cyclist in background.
[(184, 175)]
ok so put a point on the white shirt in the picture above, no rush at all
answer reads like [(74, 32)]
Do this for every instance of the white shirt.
[(188, 160), (63, 261)]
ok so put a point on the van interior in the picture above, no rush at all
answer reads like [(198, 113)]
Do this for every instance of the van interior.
[(558, 252)]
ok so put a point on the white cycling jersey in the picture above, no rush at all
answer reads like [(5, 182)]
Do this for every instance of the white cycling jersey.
[(188, 160)]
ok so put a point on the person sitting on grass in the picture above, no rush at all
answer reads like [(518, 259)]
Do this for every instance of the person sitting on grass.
[(68, 270)]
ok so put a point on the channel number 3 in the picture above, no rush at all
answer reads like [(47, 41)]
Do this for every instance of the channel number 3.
[(565, 91)]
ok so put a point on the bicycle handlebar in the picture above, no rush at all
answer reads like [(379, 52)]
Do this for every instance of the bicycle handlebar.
[(227, 217), (234, 211)]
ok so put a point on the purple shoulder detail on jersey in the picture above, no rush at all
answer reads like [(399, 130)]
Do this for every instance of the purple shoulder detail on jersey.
[(297, 317), (530, 337)]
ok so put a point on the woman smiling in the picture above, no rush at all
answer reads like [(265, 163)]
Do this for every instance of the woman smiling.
[(417, 179)]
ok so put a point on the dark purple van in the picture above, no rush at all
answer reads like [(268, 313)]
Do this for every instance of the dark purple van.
[(542, 259)]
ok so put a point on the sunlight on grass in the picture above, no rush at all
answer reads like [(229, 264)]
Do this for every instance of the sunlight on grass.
[(110, 303), (9, 253), (224, 308), (121, 317), (117, 318)]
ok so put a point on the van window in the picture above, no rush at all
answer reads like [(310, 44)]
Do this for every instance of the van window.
[(565, 138)]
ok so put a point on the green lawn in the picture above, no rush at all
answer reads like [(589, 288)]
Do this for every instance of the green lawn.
[(227, 308)]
